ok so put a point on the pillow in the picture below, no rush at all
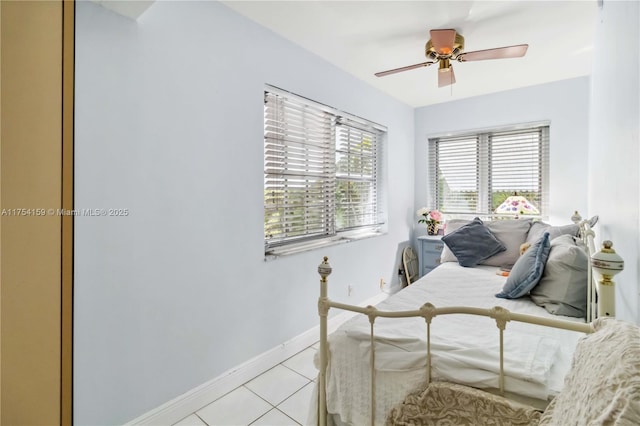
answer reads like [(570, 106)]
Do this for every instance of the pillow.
[(562, 290), (527, 271), (510, 232), (473, 243), (451, 226), (537, 228), (444, 403)]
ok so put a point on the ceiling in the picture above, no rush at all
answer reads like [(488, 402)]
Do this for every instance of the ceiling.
[(364, 37), (130, 9)]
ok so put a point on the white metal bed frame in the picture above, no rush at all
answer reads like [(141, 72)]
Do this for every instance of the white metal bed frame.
[(428, 312)]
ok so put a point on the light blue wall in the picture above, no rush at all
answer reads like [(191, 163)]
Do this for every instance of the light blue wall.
[(564, 104), (169, 124), (614, 181)]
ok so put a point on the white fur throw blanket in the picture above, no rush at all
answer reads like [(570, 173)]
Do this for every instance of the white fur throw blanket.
[(603, 385)]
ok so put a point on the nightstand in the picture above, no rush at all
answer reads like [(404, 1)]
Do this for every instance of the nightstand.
[(429, 252)]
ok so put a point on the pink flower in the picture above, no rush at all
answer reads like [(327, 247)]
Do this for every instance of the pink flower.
[(429, 216), (435, 215)]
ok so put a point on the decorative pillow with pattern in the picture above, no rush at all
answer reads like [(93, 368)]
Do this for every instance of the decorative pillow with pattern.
[(443, 403)]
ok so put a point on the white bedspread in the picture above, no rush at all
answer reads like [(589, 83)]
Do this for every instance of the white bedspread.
[(465, 348)]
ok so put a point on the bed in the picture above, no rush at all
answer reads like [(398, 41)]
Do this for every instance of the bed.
[(450, 326)]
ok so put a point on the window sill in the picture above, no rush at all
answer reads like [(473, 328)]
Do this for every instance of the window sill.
[(290, 249)]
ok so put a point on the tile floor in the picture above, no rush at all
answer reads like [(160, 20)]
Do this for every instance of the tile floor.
[(278, 397)]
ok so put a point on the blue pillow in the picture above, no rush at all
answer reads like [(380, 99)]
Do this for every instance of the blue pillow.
[(473, 243), (527, 271)]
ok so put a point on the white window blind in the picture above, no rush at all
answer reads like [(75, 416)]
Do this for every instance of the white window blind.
[(475, 173), (356, 176), (320, 172)]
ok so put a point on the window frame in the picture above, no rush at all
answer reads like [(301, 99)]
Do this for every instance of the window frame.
[(283, 166), (484, 169)]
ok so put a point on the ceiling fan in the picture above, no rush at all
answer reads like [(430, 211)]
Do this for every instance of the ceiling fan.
[(448, 45)]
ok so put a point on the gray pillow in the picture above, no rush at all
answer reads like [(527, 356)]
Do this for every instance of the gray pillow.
[(527, 271), (473, 243), (562, 290), (537, 228), (510, 232)]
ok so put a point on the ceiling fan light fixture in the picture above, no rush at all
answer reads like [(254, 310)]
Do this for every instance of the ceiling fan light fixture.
[(447, 45), (430, 50), (446, 77)]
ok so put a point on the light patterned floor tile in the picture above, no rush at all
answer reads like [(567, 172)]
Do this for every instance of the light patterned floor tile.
[(297, 405), (277, 384), (275, 417), (302, 363), (237, 408), (192, 420)]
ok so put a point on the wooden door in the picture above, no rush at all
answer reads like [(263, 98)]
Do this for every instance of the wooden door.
[(36, 240)]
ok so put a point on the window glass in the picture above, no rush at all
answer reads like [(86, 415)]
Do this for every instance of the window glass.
[(321, 171)]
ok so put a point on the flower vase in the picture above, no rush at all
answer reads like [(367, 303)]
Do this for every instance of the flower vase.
[(432, 228)]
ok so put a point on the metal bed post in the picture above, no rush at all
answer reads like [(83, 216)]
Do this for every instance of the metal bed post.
[(501, 316), (428, 312), (324, 269), (587, 234), (607, 263), (371, 313)]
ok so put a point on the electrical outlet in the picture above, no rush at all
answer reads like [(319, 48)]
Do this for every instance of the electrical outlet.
[(382, 283)]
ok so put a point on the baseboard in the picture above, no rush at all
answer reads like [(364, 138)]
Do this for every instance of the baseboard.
[(178, 408)]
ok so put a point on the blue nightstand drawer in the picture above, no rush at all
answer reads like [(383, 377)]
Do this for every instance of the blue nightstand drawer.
[(434, 247), (429, 252)]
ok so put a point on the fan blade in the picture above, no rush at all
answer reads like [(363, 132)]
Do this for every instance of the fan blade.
[(443, 41), (407, 68), (446, 77), (497, 53)]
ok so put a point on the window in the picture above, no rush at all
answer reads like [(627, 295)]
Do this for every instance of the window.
[(475, 173), (321, 173)]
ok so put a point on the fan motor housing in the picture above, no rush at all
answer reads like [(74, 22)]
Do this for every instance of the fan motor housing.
[(458, 46)]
